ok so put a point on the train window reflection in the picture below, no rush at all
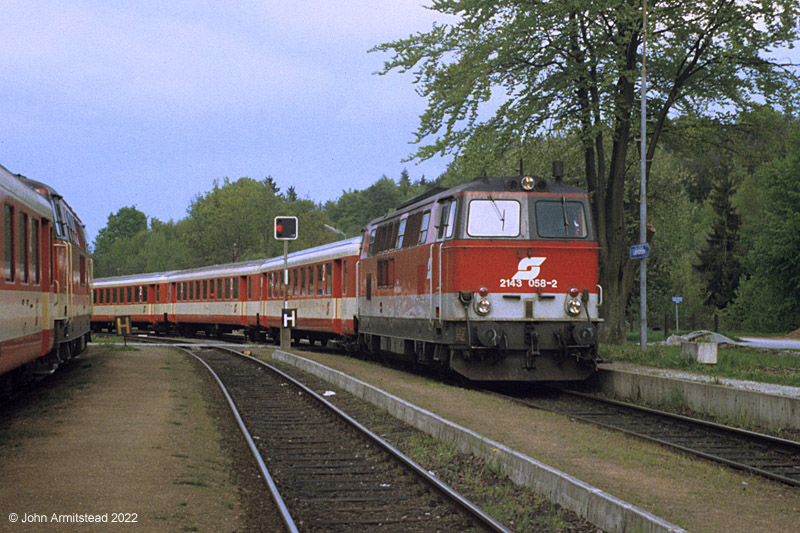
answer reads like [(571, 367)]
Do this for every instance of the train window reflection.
[(493, 218), (561, 219)]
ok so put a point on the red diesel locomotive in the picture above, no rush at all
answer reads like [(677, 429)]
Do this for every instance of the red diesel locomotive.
[(44, 290), (495, 279)]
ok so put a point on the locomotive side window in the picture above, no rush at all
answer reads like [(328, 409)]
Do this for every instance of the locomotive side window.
[(447, 219), (493, 218), (411, 231), (8, 237), (400, 234), (561, 219), (423, 227)]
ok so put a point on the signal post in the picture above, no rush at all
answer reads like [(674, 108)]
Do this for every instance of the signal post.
[(286, 230)]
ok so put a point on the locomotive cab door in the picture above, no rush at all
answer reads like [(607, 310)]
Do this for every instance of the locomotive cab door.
[(62, 279)]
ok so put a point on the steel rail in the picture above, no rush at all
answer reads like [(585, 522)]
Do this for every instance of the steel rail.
[(443, 489), (775, 444), (288, 521)]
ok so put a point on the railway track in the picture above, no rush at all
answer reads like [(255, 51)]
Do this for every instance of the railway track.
[(771, 457), (327, 472)]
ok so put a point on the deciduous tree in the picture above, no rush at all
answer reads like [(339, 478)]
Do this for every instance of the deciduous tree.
[(508, 70)]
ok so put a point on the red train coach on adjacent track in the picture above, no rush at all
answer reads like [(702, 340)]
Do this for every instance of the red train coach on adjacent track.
[(45, 303), (495, 279), (244, 296)]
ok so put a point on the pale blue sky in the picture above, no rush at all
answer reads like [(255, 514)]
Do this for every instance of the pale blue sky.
[(145, 103)]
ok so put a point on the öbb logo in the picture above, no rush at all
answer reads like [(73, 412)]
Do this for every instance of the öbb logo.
[(528, 268)]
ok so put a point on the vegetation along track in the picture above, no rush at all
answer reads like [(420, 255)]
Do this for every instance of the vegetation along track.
[(768, 456), (326, 471)]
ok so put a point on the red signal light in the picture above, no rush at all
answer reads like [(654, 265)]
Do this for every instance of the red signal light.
[(285, 228)]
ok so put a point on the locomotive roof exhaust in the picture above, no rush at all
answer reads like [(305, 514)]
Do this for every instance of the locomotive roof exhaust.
[(558, 170)]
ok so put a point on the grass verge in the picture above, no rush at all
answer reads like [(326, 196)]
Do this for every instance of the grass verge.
[(766, 366)]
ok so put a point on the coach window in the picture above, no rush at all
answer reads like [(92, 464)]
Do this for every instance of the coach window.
[(344, 276), (235, 283), (321, 280), (34, 243), (22, 266), (302, 281), (447, 217), (329, 278), (8, 237)]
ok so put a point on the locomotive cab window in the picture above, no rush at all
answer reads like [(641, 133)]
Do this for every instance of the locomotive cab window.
[(561, 219), (493, 218)]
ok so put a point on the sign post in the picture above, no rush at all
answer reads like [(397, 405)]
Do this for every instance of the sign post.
[(124, 328), (677, 300), (286, 230)]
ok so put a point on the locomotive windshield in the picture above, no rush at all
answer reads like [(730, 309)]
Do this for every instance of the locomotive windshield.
[(493, 218), (560, 219)]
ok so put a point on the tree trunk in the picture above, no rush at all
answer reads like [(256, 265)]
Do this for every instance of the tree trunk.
[(616, 270)]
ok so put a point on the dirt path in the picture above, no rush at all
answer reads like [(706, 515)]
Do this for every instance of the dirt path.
[(125, 437)]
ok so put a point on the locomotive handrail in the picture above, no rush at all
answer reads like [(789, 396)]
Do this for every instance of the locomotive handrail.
[(439, 283), (430, 282)]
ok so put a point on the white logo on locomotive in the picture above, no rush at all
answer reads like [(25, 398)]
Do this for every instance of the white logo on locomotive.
[(528, 268)]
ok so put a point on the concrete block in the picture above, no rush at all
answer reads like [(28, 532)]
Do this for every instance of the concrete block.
[(703, 352)]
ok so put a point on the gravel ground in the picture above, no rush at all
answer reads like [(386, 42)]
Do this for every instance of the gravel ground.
[(140, 432), (122, 435)]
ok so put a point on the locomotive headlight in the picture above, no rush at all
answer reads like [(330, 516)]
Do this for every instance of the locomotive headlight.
[(483, 306), (574, 307), (528, 183)]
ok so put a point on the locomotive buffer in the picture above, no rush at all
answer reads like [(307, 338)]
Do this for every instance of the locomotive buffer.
[(286, 230)]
